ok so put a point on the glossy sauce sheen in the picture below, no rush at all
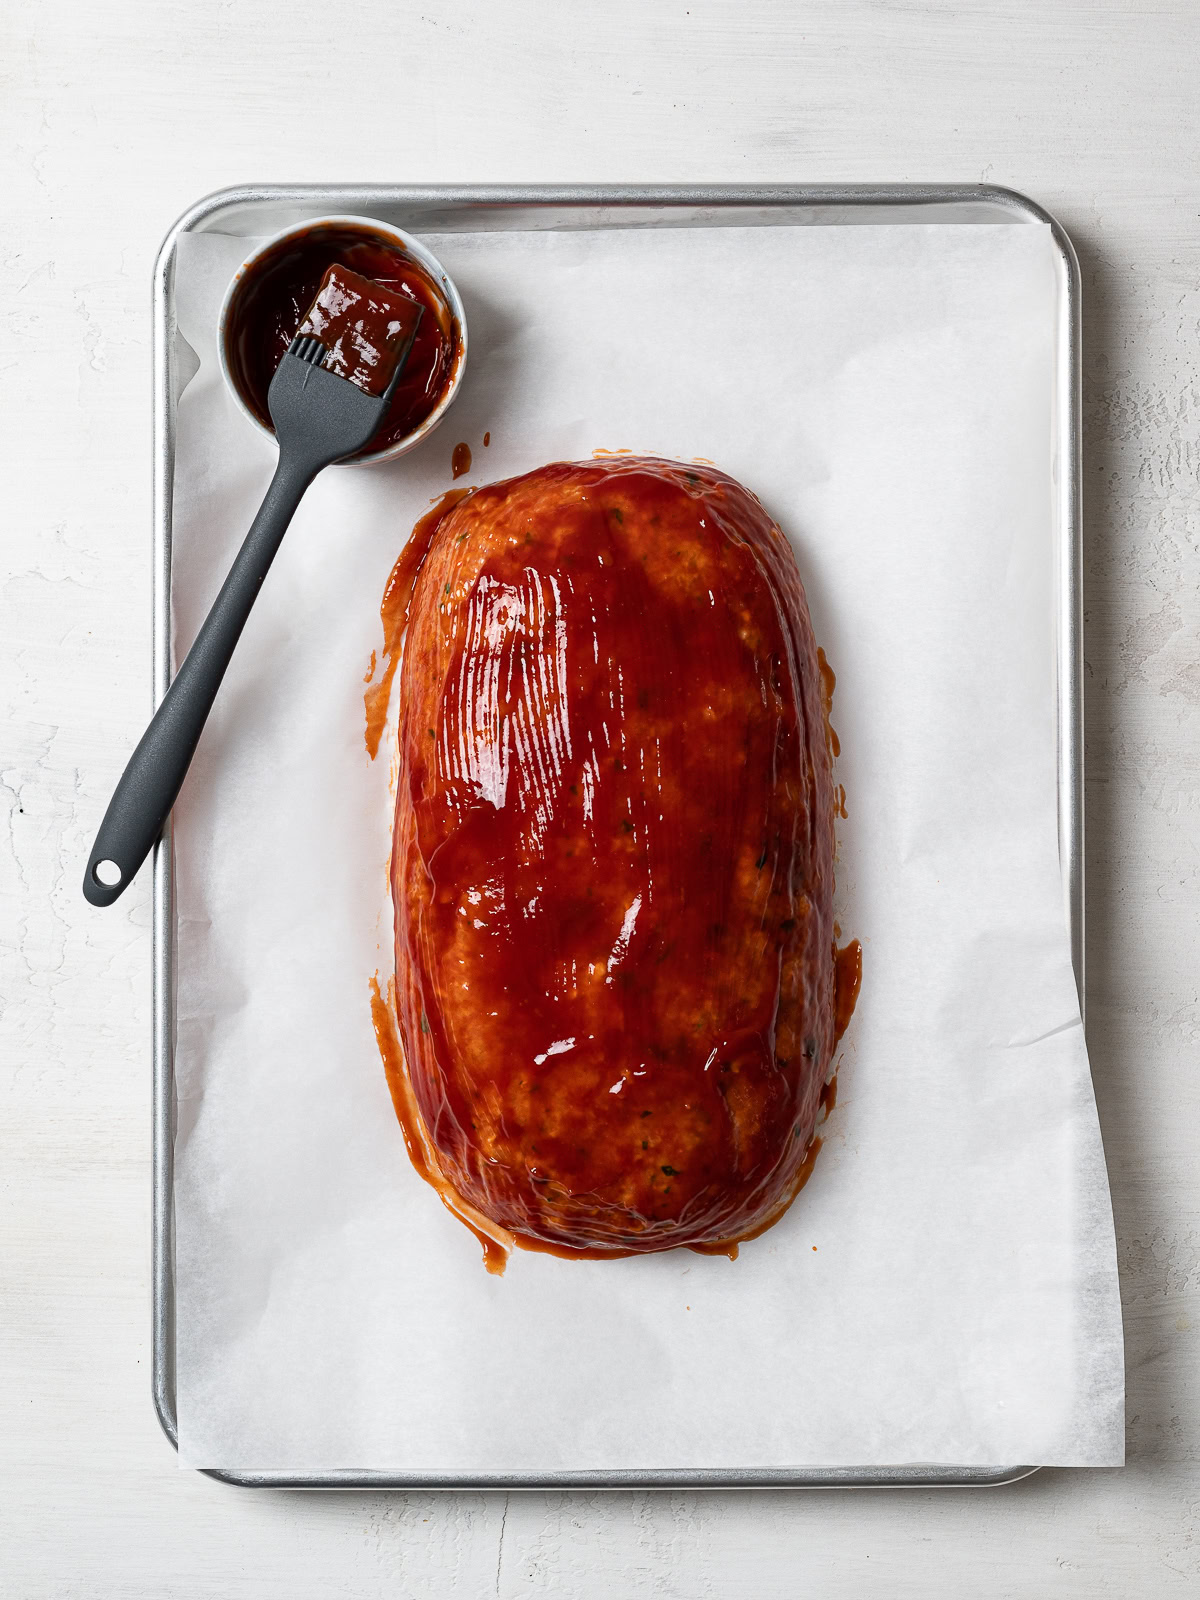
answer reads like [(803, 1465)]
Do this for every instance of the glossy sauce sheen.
[(613, 860), (273, 298), (393, 613), (365, 327)]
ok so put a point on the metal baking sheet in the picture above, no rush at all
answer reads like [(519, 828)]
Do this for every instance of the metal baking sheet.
[(262, 209)]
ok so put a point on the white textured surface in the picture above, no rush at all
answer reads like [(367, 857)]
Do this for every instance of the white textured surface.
[(111, 121)]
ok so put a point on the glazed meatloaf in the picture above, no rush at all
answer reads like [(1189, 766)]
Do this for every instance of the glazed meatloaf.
[(613, 861)]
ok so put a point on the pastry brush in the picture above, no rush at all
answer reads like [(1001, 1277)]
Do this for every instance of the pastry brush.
[(319, 417)]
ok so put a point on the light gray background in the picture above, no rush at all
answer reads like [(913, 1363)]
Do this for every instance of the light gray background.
[(111, 121)]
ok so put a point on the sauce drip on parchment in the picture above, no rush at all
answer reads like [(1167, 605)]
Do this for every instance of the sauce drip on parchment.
[(393, 611)]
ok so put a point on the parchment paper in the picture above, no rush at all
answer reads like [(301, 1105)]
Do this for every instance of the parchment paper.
[(944, 1290)]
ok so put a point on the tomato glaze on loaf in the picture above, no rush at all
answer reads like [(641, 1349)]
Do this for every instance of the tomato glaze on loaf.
[(612, 863)]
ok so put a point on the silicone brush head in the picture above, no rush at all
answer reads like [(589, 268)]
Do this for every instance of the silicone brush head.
[(331, 391), (367, 330)]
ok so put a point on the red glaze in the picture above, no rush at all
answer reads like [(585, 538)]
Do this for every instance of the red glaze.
[(847, 981), (613, 861), (365, 328), (393, 612), (828, 684), (272, 299), (416, 1140)]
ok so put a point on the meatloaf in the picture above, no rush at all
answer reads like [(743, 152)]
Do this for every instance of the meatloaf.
[(612, 865)]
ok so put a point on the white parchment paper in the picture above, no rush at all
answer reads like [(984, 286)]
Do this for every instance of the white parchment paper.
[(944, 1290)]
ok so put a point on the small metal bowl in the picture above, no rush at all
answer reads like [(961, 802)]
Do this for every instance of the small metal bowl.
[(386, 234)]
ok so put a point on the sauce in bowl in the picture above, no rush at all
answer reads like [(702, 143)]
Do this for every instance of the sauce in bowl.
[(275, 290)]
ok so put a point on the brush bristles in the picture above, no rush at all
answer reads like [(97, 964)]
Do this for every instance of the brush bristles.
[(305, 348)]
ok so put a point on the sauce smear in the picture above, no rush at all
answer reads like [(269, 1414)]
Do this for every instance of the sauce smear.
[(847, 981), (365, 328), (828, 684)]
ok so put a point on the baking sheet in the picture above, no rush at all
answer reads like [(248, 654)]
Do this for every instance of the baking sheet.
[(886, 391)]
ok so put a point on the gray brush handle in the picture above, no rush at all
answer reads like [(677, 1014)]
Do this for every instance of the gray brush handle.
[(156, 770), (318, 418)]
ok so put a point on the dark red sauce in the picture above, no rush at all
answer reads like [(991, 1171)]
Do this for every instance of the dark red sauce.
[(365, 328), (272, 298), (460, 461), (847, 981), (828, 684), (847, 962)]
